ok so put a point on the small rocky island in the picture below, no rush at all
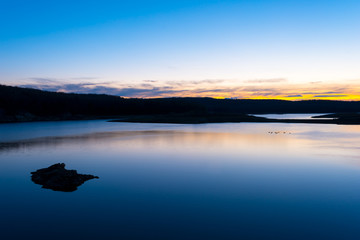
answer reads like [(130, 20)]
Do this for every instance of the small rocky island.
[(57, 178)]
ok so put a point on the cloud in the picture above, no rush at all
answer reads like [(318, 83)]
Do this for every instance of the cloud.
[(208, 81), (85, 78), (328, 95), (271, 80), (153, 92), (218, 90), (334, 92), (320, 91), (78, 88), (92, 88), (292, 96), (203, 88), (44, 80), (195, 82), (151, 81), (58, 80), (40, 87)]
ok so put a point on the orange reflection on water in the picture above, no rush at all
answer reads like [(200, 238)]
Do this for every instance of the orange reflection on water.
[(237, 142)]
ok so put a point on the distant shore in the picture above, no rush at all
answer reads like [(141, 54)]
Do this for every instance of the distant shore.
[(193, 118), (353, 119), (31, 105)]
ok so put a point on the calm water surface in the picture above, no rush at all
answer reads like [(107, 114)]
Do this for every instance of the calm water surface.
[(173, 181), (290, 116)]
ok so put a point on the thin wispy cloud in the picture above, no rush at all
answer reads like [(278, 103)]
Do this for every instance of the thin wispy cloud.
[(271, 80), (85, 78), (195, 82), (76, 88), (294, 96), (51, 80), (327, 96), (40, 80), (152, 81)]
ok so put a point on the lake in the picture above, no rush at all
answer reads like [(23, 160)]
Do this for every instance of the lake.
[(176, 181)]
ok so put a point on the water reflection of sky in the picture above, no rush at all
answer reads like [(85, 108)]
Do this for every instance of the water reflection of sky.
[(289, 116), (227, 139), (169, 181)]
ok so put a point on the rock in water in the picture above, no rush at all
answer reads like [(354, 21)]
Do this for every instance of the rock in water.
[(57, 178)]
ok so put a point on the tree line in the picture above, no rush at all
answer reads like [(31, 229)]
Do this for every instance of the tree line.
[(25, 104)]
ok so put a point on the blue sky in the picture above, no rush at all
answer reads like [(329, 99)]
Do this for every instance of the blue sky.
[(176, 46)]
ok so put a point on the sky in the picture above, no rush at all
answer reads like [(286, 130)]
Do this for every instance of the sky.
[(260, 49)]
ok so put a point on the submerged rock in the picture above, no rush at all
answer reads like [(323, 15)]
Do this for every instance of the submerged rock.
[(57, 178)]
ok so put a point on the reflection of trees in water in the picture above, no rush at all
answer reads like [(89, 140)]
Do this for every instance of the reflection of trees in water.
[(59, 140), (38, 142), (23, 145)]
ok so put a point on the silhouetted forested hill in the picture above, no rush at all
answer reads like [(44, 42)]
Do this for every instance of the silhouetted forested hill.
[(23, 104)]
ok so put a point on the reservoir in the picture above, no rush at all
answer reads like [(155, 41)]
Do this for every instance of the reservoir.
[(182, 181)]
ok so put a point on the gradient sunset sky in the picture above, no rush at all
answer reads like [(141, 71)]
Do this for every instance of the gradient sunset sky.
[(283, 49)]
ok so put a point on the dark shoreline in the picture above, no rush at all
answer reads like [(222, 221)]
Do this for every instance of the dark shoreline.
[(340, 119), (334, 118), (31, 105)]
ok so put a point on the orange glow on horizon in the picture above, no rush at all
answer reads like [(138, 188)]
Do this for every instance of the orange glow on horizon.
[(280, 89), (346, 91)]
